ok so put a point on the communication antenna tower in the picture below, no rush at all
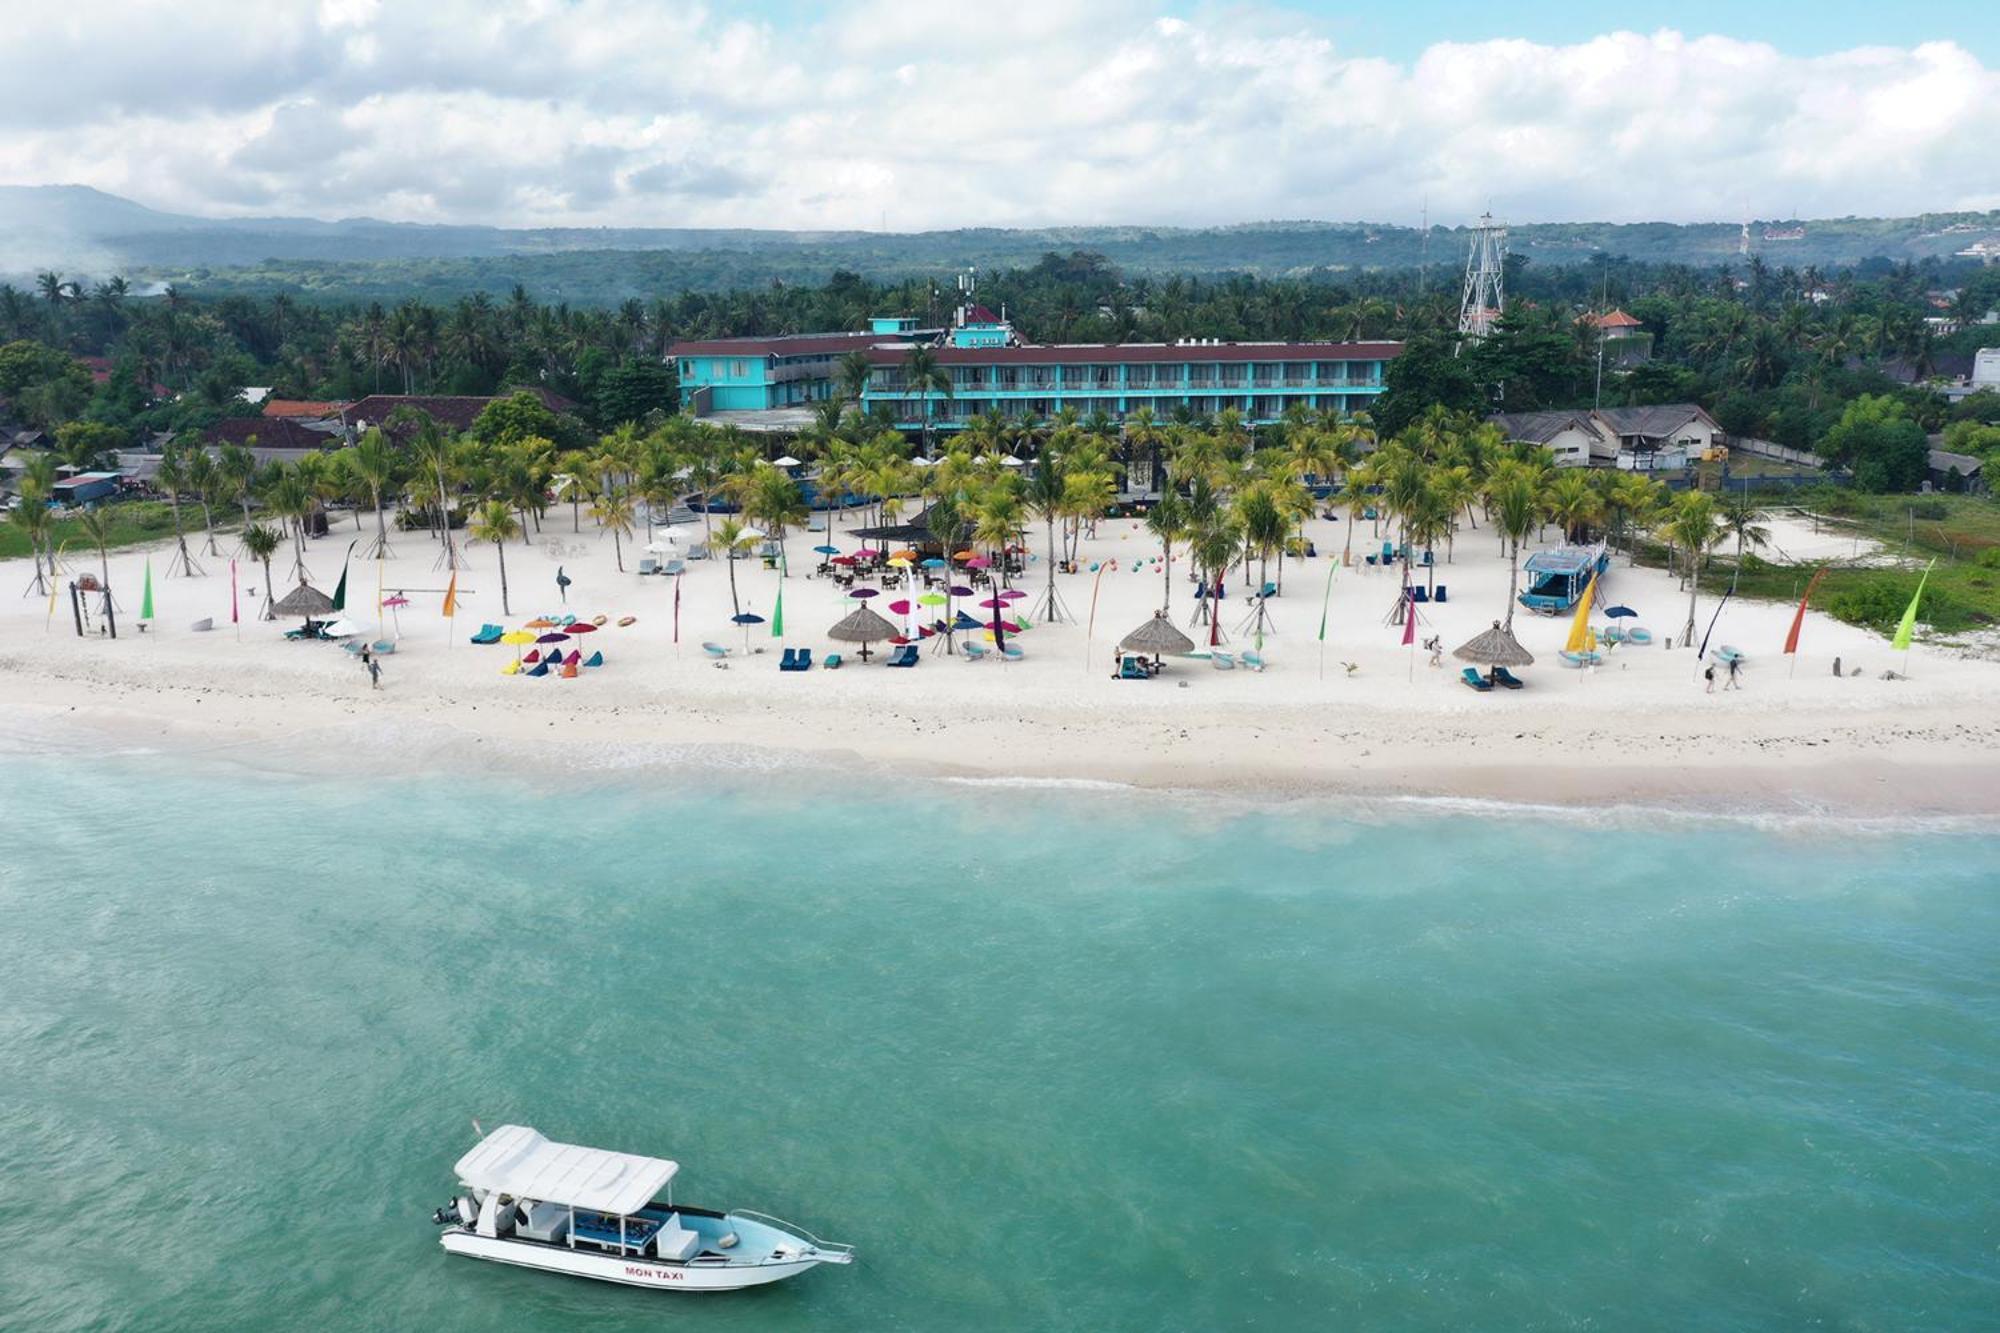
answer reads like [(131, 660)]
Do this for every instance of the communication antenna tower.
[(1484, 299)]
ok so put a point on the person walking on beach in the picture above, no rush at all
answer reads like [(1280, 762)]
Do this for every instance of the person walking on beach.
[(1708, 674), (374, 674), (1735, 665)]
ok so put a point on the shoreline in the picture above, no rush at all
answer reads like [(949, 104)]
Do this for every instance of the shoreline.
[(1917, 762)]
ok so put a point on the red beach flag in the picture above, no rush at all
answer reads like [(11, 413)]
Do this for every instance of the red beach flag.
[(233, 619), (1799, 618), (1409, 619)]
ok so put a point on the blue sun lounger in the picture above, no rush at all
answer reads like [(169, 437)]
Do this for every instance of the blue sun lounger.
[(1507, 678), (904, 655), (1472, 677)]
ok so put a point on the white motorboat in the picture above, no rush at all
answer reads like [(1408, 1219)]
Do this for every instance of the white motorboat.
[(612, 1216)]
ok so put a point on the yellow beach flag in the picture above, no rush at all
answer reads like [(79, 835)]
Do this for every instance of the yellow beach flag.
[(1901, 643), (1579, 629)]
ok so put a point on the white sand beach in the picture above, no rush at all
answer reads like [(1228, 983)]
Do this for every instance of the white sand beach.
[(1641, 728)]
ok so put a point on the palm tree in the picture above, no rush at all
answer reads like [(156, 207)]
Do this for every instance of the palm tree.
[(290, 496), (31, 515), (613, 511), (1168, 520), (171, 477), (261, 543), (205, 480), (1738, 516), (1044, 494), (851, 372), (495, 522), (1691, 526), (728, 534), (926, 376), (376, 464), (97, 528), (1517, 512), (775, 501), (238, 469), (431, 450), (1573, 503)]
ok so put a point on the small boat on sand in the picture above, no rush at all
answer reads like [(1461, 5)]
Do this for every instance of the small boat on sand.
[(611, 1216)]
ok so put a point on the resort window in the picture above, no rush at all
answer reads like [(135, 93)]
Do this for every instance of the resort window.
[(1199, 376), (736, 370), (1139, 473)]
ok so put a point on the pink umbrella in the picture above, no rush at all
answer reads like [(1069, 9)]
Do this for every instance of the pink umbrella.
[(994, 604), (979, 562), (395, 601), (900, 607), (1010, 594)]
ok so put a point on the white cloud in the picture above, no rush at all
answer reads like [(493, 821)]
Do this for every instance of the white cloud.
[(542, 112)]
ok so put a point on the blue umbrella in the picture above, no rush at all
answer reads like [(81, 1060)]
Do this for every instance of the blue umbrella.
[(936, 562), (826, 550), (746, 619), (1620, 612)]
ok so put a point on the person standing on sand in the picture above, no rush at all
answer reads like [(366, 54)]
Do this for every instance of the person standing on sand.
[(1708, 674), (1734, 666), (374, 674)]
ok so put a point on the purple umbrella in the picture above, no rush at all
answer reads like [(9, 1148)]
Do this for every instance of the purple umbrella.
[(1010, 594), (864, 594), (959, 590), (552, 636)]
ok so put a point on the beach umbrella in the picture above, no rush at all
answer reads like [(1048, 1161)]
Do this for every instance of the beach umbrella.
[(863, 627), (553, 636), (932, 599), (900, 606), (541, 622), (1621, 612), (663, 546), (304, 600), (907, 556), (784, 460), (1497, 647), (963, 622), (583, 627), (517, 637), (146, 604), (396, 602), (826, 550), (746, 619), (1158, 637), (965, 555), (935, 562), (994, 604), (1011, 594), (751, 534), (844, 560), (979, 562), (863, 594)]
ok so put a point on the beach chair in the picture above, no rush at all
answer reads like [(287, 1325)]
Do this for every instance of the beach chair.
[(488, 634), (1471, 677), (569, 671), (699, 551), (1638, 635), (1132, 668), (648, 565), (1255, 661), (1268, 590), (715, 650), (1010, 652), (1388, 553), (1570, 659), (790, 661), (1439, 595), (512, 668), (805, 659), (594, 660), (1507, 678), (534, 656), (1417, 593), (1370, 559), (1222, 661), (1429, 557), (905, 656), (538, 669), (674, 566), (833, 661), (975, 652)]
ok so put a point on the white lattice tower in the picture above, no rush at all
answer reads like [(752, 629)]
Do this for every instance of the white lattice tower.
[(1484, 297)]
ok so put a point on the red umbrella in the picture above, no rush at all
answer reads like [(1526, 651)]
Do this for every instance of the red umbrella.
[(583, 627), (842, 560), (901, 607)]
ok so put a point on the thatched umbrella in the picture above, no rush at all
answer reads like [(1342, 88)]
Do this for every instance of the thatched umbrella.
[(1156, 637), (304, 600), (863, 627), (1497, 647)]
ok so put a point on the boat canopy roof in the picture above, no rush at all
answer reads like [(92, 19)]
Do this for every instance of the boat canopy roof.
[(516, 1160), (1564, 560)]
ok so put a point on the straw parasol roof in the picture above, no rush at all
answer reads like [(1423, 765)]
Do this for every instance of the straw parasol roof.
[(1158, 637), (304, 600), (1496, 647), (863, 626)]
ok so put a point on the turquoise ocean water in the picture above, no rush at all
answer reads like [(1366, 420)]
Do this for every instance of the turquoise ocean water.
[(1052, 1059)]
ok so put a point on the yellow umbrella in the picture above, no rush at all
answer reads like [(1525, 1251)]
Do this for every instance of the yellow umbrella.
[(517, 638)]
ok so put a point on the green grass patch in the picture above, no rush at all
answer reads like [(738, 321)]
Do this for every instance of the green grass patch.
[(132, 522)]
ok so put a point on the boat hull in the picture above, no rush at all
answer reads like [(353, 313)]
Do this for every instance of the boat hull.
[(626, 1271)]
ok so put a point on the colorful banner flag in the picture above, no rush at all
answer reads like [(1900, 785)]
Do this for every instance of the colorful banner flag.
[(1901, 643), (340, 589), (1799, 616), (778, 615), (451, 597), (235, 618), (1326, 601), (146, 602), (677, 607), (1579, 627), (1409, 618)]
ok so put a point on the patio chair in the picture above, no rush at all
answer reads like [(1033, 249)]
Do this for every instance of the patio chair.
[(1470, 676), (1507, 678), (1439, 595), (1417, 593), (790, 661), (975, 652)]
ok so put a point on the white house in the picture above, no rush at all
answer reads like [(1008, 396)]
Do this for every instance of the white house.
[(1644, 439)]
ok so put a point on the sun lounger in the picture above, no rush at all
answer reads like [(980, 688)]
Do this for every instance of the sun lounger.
[(673, 567), (1222, 661), (790, 661), (1727, 654), (1471, 676), (648, 565), (1571, 659), (1011, 653), (805, 659), (1268, 590), (1132, 668), (569, 671), (715, 650), (1439, 595), (905, 656), (538, 669), (594, 660), (202, 626), (1255, 661), (1417, 593), (697, 552), (974, 652), (488, 634), (832, 662), (1507, 678)]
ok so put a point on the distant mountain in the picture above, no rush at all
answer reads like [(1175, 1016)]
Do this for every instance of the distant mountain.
[(88, 234)]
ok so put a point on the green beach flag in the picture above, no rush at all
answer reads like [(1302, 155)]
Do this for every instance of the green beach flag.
[(778, 615), (146, 603), (340, 591), (1901, 643)]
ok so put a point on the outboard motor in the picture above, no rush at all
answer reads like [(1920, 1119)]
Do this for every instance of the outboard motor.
[(461, 1211)]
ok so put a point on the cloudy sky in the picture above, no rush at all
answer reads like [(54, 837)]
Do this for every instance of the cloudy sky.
[(792, 114)]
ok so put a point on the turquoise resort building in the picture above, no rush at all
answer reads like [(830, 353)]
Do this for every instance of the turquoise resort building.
[(771, 383)]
